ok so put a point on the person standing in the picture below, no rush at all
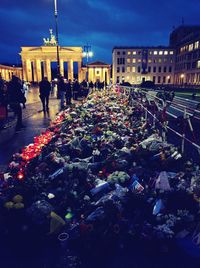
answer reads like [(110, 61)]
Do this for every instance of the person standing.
[(24, 89), (15, 98), (62, 91), (3, 103), (68, 94), (91, 86), (45, 89), (76, 90)]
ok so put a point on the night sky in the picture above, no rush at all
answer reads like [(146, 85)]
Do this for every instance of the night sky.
[(101, 23)]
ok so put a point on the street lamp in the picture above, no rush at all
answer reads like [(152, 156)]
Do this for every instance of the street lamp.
[(57, 43), (182, 79), (87, 53)]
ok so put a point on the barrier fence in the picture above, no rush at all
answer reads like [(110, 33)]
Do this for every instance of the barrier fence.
[(141, 97)]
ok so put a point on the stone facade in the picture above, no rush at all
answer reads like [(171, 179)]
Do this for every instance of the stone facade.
[(7, 71), (99, 71), (186, 40), (36, 61), (138, 64)]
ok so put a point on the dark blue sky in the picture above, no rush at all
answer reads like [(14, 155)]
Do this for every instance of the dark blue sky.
[(103, 23)]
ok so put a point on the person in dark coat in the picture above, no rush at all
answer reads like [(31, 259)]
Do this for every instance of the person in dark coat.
[(68, 93), (15, 98), (61, 91), (3, 103), (2, 91), (84, 86), (76, 90), (45, 89), (91, 86)]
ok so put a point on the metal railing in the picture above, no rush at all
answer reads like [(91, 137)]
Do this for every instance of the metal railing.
[(129, 92)]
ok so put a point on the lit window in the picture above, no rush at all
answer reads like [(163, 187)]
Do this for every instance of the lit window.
[(133, 60), (128, 60), (155, 52), (191, 47), (159, 60), (139, 60), (134, 53), (133, 69), (150, 52), (160, 52), (196, 45), (171, 52), (198, 64), (129, 53), (128, 69), (166, 52), (150, 61), (127, 77)]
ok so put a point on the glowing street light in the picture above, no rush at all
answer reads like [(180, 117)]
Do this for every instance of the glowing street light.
[(182, 78), (87, 53)]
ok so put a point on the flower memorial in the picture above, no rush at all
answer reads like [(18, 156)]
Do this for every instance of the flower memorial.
[(101, 171)]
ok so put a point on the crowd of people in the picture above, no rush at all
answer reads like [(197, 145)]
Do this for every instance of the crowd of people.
[(12, 95)]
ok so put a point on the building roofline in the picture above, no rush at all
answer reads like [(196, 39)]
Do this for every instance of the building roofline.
[(142, 47)]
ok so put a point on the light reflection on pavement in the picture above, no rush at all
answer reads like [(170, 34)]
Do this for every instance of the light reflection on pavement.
[(35, 121)]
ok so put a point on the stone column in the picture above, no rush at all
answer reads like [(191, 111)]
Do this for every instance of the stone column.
[(94, 76), (3, 73), (79, 71), (6, 75), (70, 70), (28, 71), (48, 69), (102, 76), (62, 67), (34, 71), (108, 76), (24, 75), (38, 77)]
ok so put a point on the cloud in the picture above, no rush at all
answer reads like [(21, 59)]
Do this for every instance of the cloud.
[(103, 24)]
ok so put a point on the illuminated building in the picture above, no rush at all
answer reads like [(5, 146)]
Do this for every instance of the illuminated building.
[(99, 71), (138, 64), (186, 40), (7, 71), (36, 61)]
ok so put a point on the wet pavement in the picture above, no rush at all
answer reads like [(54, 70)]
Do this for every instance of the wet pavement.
[(35, 121)]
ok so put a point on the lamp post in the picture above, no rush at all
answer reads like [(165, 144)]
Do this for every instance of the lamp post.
[(182, 79), (88, 54), (57, 43)]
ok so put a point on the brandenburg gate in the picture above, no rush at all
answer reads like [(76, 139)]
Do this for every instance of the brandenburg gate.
[(36, 61)]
